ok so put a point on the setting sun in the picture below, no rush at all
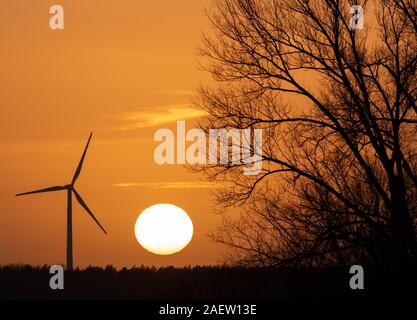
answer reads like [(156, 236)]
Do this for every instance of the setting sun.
[(163, 229)]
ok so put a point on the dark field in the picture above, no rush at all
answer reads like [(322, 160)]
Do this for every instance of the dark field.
[(26, 282)]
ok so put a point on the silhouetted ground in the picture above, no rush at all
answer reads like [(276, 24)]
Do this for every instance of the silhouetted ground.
[(27, 282)]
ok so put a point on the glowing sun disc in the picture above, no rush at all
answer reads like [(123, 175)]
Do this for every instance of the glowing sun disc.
[(163, 229)]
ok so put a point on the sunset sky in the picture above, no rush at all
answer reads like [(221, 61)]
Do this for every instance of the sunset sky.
[(122, 69)]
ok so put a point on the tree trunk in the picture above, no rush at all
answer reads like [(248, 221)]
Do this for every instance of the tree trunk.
[(402, 227)]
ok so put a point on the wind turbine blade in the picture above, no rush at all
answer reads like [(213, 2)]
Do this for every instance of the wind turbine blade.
[(84, 205), (50, 189), (80, 165)]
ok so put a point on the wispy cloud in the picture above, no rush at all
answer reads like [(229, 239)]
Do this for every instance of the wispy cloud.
[(158, 116), (168, 185)]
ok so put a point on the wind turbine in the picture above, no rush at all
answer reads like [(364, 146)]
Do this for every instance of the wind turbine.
[(70, 190)]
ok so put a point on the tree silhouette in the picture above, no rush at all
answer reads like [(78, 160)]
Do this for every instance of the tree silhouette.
[(338, 111)]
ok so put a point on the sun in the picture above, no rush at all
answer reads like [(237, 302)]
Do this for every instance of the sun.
[(163, 229)]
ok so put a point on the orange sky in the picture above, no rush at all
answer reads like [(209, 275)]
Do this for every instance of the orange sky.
[(122, 69)]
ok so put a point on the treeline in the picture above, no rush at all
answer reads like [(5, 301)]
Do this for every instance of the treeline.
[(201, 282)]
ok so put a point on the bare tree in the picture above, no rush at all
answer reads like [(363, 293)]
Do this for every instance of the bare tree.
[(338, 110)]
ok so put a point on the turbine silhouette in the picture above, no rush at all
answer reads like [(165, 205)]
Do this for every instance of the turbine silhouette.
[(70, 190)]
